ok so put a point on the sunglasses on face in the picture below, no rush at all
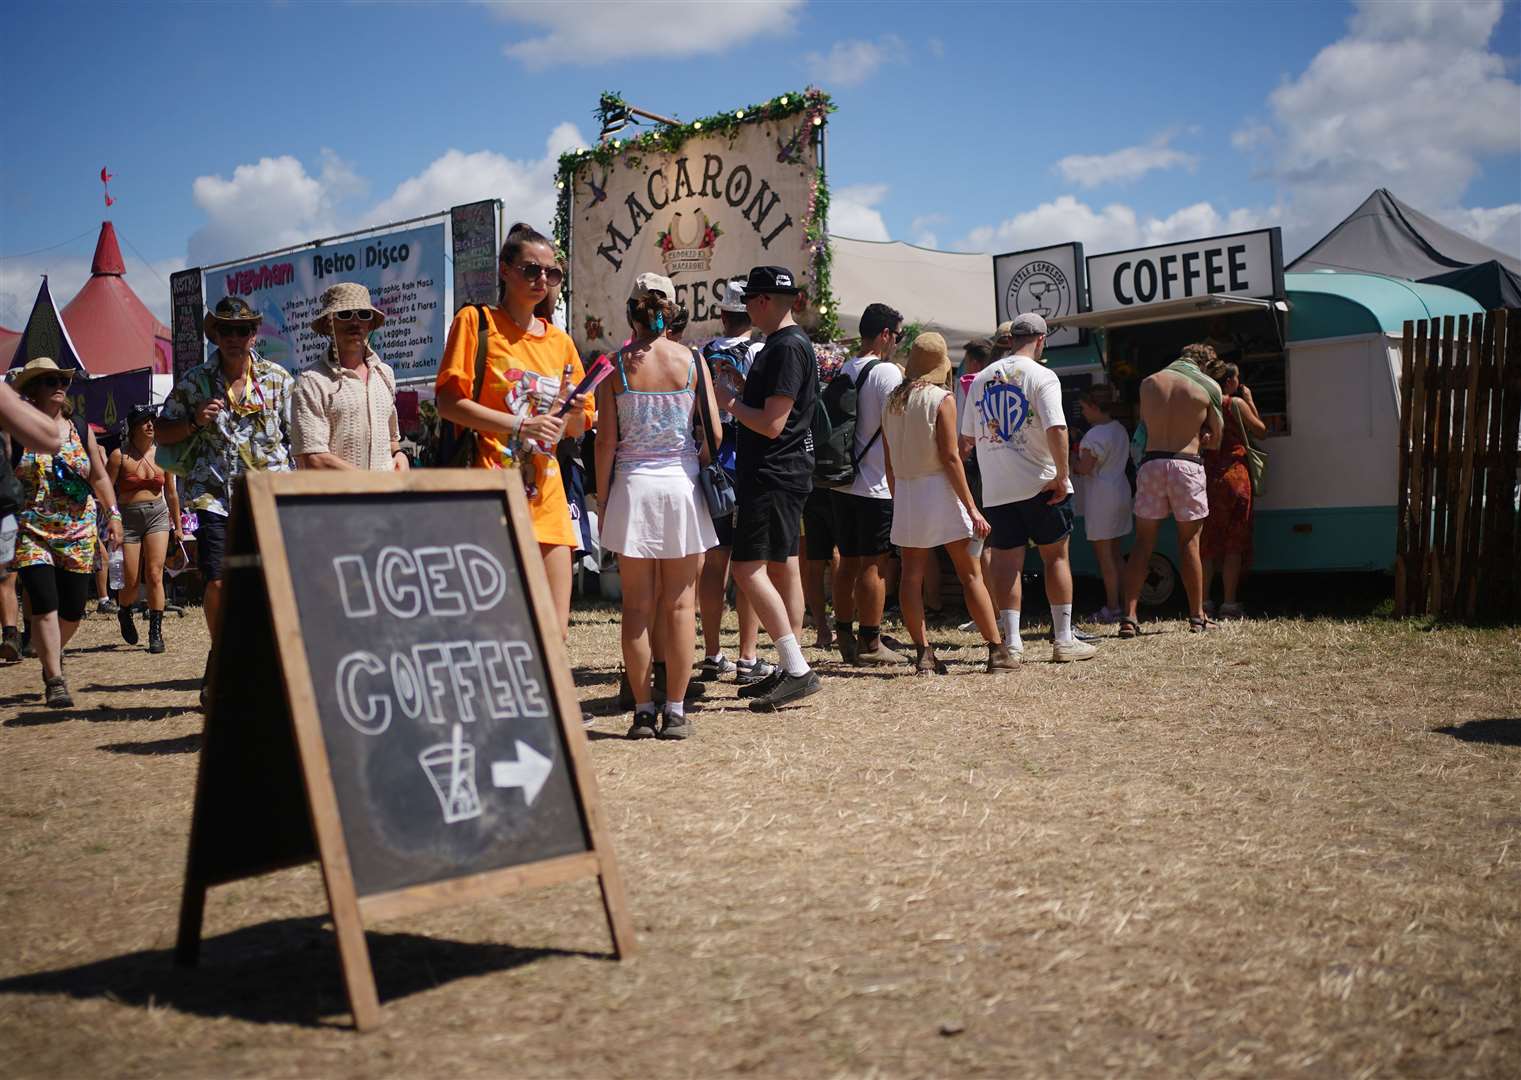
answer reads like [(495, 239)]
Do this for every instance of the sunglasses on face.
[(52, 382), (362, 315), (532, 272), (237, 331)]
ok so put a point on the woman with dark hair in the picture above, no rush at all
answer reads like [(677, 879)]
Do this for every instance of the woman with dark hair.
[(653, 515), (1225, 545), (55, 545), (520, 412), (150, 509)]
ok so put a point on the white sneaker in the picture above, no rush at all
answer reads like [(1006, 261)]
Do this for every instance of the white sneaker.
[(1066, 652)]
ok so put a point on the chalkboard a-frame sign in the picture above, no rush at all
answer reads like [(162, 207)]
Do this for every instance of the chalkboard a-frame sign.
[(390, 696)]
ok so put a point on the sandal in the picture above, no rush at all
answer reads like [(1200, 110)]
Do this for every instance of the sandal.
[(1129, 628), (1199, 626)]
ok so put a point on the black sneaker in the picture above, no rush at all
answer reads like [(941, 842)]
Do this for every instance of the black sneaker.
[(789, 688), (675, 727), (643, 726), (107, 607), (764, 686), (10, 645), (712, 670), (752, 673)]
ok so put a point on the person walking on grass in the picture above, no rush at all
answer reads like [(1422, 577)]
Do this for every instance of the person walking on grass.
[(774, 474), (932, 502), (1016, 423), (150, 509), (56, 528), (862, 509), (654, 517), (233, 414), (1105, 484), (1180, 406)]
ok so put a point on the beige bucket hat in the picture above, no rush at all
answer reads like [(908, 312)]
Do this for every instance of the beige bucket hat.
[(346, 296)]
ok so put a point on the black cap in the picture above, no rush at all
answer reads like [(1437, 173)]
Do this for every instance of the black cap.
[(771, 279)]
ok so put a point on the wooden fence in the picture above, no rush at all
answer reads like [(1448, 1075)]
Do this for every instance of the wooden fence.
[(1458, 538)]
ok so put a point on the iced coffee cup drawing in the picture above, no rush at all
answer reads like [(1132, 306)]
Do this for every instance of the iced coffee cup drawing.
[(451, 770)]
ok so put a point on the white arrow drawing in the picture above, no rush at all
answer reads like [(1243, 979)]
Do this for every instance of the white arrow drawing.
[(528, 772)]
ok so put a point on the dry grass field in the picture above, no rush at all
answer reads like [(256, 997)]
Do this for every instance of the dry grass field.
[(1289, 848)]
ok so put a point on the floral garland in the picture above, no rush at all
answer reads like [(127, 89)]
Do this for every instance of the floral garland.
[(669, 138)]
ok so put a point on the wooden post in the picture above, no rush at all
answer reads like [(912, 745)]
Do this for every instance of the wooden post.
[(1470, 527), (1457, 438), (1441, 551), (1504, 583), (1415, 556), (1402, 517)]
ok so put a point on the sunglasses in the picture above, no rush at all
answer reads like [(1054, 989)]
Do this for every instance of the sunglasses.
[(236, 331), (532, 272), (363, 315), (52, 382)]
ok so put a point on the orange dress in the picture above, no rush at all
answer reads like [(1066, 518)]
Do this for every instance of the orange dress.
[(523, 373), (1228, 529)]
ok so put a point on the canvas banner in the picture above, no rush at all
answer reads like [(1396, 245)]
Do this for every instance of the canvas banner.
[(404, 271), (700, 215)]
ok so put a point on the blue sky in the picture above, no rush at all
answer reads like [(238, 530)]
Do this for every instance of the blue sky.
[(232, 129)]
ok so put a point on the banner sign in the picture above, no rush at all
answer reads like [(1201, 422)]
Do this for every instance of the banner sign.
[(403, 270), (186, 310), (699, 216), (105, 399), (1045, 281), (1244, 264), (472, 230)]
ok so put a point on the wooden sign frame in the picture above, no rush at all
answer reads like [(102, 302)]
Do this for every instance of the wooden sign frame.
[(287, 748)]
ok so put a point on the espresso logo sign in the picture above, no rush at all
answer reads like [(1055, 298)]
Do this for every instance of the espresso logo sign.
[(1039, 288)]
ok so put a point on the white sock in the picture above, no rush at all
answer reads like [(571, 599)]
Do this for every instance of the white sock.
[(717, 657), (790, 653), (1008, 625), (1061, 619), (746, 661), (675, 708)]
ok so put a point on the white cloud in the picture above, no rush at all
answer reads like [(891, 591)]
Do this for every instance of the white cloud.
[(275, 202), (67, 273), (1498, 226), (1129, 163), (850, 63), (592, 33), (922, 229), (1110, 228), (1412, 98), (852, 213)]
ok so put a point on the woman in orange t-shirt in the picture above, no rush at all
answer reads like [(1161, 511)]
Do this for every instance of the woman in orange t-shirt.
[(531, 366)]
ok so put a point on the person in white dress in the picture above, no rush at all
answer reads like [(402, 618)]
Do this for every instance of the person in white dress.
[(654, 515), (1106, 492), (932, 504)]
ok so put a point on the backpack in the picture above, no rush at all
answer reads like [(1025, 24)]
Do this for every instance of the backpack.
[(456, 444), (834, 431)]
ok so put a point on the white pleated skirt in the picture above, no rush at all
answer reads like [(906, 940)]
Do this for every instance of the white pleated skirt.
[(926, 513), (657, 512)]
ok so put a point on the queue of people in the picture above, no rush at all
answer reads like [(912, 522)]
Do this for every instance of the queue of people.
[(916, 459)]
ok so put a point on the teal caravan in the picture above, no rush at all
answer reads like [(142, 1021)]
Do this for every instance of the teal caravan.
[(1321, 353)]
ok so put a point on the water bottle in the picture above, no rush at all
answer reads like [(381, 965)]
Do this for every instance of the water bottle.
[(117, 575)]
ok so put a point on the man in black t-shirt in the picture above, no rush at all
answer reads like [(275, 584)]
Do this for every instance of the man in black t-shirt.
[(773, 475)]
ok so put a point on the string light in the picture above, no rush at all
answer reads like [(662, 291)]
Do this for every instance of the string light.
[(739, 114)]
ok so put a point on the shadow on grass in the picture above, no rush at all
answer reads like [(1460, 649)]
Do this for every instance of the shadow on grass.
[(283, 972), (1494, 732), (184, 744), (97, 716), (132, 688)]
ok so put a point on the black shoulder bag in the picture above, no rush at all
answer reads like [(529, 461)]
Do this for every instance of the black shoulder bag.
[(717, 488), (456, 443)]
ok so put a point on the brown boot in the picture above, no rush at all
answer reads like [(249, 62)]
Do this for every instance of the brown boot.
[(1000, 659), (928, 663)]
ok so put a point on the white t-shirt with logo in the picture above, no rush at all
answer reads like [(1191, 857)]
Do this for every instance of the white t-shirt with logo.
[(871, 400), (1008, 409)]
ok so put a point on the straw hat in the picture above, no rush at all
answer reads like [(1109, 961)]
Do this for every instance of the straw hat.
[(35, 369), (229, 309), (346, 296), (928, 359)]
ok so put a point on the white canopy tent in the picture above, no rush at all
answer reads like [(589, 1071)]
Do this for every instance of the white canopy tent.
[(946, 291)]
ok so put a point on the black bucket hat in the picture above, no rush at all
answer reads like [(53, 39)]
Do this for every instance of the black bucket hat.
[(230, 309)]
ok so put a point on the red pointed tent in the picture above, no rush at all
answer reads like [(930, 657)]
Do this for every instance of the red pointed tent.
[(112, 329), (8, 339)]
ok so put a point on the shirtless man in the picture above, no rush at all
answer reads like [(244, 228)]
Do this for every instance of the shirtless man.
[(1180, 406)]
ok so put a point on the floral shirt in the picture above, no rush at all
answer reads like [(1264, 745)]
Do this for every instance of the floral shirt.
[(251, 432), (57, 519)]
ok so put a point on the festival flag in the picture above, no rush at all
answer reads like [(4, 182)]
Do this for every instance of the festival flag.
[(105, 180)]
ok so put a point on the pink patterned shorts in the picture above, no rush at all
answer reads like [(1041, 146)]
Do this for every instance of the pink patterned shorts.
[(1171, 488)]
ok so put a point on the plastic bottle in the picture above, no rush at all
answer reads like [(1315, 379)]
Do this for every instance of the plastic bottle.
[(117, 575)]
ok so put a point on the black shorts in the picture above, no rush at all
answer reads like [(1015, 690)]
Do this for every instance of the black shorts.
[(210, 543), (724, 528), (49, 589), (818, 526), (863, 526), (768, 525), (1016, 524)]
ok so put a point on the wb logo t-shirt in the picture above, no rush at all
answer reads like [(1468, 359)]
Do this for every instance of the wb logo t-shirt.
[(1009, 406)]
